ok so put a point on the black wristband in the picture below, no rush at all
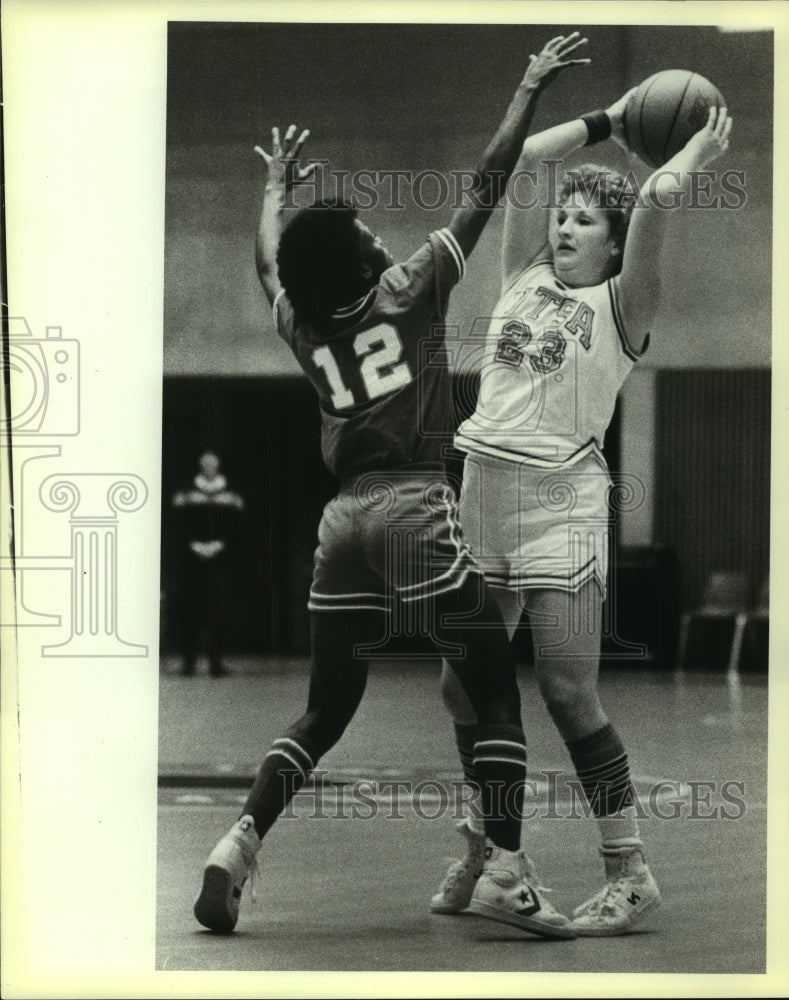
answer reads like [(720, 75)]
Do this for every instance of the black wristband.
[(598, 126)]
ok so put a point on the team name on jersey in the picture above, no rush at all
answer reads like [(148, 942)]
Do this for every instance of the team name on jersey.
[(576, 317)]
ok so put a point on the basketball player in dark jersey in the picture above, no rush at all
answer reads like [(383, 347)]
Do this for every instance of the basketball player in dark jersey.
[(367, 333)]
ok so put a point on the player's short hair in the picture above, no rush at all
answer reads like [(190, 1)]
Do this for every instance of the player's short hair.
[(601, 187), (318, 259)]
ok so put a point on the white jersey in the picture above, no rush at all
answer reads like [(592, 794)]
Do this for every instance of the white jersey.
[(554, 360)]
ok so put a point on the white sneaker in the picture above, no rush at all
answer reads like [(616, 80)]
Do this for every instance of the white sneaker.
[(507, 891), (629, 894), (226, 871), (454, 893)]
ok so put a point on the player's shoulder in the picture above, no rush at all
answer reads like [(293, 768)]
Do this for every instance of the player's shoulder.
[(440, 249)]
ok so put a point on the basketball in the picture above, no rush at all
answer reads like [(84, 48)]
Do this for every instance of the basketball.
[(665, 111)]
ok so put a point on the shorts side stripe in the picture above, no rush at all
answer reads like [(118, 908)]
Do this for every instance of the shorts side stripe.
[(452, 578), (348, 602), (570, 582)]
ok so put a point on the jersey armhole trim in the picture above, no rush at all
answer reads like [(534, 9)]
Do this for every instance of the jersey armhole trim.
[(275, 309), (616, 312), (448, 239)]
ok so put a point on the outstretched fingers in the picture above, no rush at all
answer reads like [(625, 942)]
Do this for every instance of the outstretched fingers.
[(559, 49), (719, 126), (286, 149), (288, 138), (570, 44), (723, 129), (307, 172), (276, 147), (299, 143)]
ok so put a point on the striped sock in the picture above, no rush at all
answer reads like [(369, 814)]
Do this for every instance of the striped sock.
[(284, 770), (602, 767), (500, 764), (465, 737)]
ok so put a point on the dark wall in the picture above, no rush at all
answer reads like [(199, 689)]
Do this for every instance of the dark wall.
[(713, 474), (267, 434)]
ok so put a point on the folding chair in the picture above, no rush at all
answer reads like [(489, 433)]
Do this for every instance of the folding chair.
[(749, 652), (711, 636)]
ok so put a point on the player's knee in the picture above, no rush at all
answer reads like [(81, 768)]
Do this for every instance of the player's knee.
[(566, 697), (319, 729), (500, 705)]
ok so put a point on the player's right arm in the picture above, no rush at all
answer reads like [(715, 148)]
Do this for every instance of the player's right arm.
[(501, 155), (526, 218), (284, 173)]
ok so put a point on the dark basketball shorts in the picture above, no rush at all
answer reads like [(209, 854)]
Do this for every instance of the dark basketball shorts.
[(389, 536)]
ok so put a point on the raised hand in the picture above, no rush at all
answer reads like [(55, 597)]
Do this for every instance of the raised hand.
[(711, 141), (544, 68), (616, 114), (283, 160)]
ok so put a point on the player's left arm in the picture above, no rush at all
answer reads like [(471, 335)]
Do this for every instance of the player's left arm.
[(638, 284), (284, 173)]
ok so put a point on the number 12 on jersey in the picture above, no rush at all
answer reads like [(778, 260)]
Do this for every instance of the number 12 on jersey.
[(379, 350)]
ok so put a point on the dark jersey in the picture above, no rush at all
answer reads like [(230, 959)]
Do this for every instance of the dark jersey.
[(379, 366)]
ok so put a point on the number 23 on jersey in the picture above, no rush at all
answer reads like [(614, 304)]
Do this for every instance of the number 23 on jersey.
[(378, 352)]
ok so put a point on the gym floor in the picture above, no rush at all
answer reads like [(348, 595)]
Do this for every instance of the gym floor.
[(345, 879)]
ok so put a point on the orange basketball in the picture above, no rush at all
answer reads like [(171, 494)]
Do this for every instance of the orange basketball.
[(665, 111)]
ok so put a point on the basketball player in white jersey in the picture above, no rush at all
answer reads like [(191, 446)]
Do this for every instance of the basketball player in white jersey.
[(580, 290)]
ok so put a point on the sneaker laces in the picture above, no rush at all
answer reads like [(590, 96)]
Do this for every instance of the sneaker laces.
[(454, 872), (451, 876), (252, 862), (254, 876), (607, 898), (529, 873)]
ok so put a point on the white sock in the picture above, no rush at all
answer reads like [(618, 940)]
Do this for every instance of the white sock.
[(621, 830), (476, 824)]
